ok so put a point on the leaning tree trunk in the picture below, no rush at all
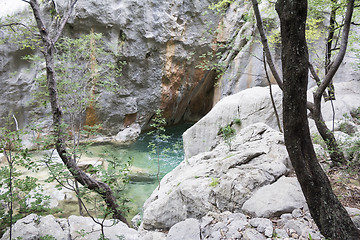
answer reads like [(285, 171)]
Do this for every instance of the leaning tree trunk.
[(84, 179), (328, 213)]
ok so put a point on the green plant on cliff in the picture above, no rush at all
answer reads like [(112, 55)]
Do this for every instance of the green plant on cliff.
[(228, 133), (221, 6)]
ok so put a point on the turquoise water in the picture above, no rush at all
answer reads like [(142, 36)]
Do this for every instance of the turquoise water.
[(142, 185)]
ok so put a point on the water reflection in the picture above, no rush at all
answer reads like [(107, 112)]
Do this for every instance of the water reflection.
[(143, 179)]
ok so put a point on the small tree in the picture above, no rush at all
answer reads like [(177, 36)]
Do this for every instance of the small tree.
[(20, 195), (328, 213), (158, 123), (49, 36)]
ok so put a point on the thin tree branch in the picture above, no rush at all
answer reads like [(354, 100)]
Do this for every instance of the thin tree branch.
[(64, 21), (344, 42), (271, 94), (265, 44), (316, 78)]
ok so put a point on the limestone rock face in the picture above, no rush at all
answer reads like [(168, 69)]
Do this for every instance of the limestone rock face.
[(254, 105), (219, 180), (250, 106), (163, 43), (160, 41)]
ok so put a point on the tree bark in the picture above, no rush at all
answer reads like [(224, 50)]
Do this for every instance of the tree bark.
[(84, 179), (328, 213), (265, 44), (336, 155)]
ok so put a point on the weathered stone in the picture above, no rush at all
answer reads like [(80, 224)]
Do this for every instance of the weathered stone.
[(113, 229), (252, 234), (256, 108), (152, 235), (129, 134), (296, 226), (188, 229), (283, 196), (161, 43), (25, 229), (33, 227), (355, 215), (49, 226), (220, 180), (281, 233), (262, 225), (296, 213)]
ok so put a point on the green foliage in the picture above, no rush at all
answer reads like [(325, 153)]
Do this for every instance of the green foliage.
[(228, 133), (211, 61), (214, 182), (83, 69), (20, 194), (21, 35), (158, 124), (221, 6), (47, 237), (237, 121)]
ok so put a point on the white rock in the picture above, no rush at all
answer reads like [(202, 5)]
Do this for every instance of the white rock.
[(281, 233), (355, 215), (220, 180), (262, 225), (129, 134), (188, 229), (113, 229), (151, 235), (296, 226), (25, 229), (256, 108), (283, 196), (49, 226), (252, 234)]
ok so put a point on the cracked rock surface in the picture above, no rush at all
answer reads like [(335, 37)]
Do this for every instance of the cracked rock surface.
[(223, 179)]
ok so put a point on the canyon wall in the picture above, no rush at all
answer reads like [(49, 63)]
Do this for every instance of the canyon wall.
[(180, 56)]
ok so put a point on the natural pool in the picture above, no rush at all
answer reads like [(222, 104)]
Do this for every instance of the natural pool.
[(141, 185), (140, 188)]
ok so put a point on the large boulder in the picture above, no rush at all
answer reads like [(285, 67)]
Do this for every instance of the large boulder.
[(283, 196), (250, 106), (219, 180), (254, 105), (188, 229)]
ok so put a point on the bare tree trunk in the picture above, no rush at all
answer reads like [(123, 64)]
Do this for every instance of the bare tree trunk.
[(265, 44), (336, 154), (80, 176), (328, 213)]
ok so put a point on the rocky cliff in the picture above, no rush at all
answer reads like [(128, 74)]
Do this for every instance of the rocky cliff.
[(164, 43)]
